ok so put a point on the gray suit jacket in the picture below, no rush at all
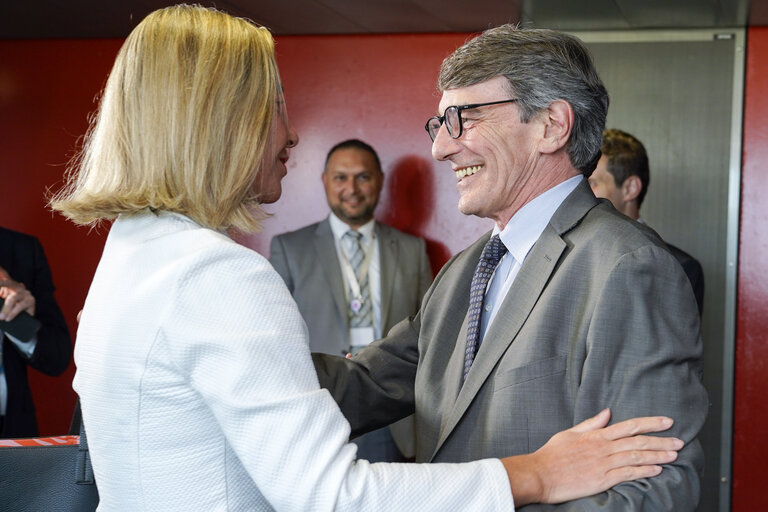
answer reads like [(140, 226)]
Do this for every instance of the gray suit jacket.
[(308, 263), (600, 315)]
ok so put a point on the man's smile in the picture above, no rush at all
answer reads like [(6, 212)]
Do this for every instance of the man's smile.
[(467, 171)]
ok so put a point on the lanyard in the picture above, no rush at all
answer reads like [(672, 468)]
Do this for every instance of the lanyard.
[(349, 272)]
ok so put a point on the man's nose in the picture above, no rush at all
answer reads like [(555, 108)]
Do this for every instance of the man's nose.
[(347, 186), (444, 145)]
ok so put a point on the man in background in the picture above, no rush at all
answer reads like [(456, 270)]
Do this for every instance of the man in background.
[(354, 278), (26, 286), (622, 176)]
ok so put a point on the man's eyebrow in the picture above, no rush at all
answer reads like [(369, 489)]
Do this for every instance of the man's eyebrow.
[(471, 109)]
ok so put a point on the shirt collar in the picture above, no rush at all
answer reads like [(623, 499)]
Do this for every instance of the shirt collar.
[(339, 227), (526, 226)]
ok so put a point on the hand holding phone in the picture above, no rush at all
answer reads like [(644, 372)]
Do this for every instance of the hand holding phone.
[(23, 327)]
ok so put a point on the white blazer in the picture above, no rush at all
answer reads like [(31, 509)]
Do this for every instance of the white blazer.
[(198, 392)]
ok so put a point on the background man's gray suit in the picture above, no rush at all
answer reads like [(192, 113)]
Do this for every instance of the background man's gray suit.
[(307, 261), (600, 315)]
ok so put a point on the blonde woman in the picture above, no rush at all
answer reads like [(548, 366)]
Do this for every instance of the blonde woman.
[(193, 370)]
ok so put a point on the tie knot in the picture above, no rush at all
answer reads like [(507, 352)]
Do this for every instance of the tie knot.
[(353, 235), (352, 242), (494, 250)]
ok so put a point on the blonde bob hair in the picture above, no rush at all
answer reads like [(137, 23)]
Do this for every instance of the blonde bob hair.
[(183, 123)]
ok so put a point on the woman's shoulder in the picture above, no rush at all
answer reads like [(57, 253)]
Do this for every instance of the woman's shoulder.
[(183, 254)]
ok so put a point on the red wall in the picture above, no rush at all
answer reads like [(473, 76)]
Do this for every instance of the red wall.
[(379, 89), (750, 443)]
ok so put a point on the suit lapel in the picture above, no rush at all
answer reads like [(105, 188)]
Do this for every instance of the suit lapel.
[(517, 305), (525, 291), (454, 372), (325, 249), (388, 263), (450, 385)]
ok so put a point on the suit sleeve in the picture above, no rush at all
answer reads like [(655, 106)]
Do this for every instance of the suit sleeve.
[(376, 387), (642, 358), (279, 261), (53, 351)]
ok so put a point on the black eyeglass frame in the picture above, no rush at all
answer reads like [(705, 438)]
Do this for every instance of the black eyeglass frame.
[(458, 109)]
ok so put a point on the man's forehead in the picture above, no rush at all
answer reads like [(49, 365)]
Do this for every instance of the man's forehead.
[(349, 170), (493, 88), (351, 160)]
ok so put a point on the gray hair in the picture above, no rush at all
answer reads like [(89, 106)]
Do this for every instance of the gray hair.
[(541, 66)]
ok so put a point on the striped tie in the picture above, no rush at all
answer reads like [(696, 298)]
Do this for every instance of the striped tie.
[(363, 317)]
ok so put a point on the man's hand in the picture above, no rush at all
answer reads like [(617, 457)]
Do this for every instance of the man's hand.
[(591, 458), (17, 297)]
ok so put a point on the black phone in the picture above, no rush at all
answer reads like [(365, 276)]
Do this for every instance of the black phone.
[(24, 327)]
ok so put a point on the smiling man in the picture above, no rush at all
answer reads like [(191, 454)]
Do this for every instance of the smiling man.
[(563, 308), (354, 278)]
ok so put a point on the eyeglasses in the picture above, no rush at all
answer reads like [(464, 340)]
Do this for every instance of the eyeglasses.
[(452, 119)]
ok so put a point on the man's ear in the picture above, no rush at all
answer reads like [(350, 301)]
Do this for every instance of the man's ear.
[(631, 188), (558, 123)]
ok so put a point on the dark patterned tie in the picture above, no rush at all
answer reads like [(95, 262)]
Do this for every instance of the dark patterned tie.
[(492, 252), (361, 314)]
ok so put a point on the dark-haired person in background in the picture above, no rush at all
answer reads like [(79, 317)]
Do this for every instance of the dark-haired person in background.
[(26, 285), (622, 176)]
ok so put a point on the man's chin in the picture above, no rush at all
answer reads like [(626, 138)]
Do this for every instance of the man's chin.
[(354, 219), (468, 209)]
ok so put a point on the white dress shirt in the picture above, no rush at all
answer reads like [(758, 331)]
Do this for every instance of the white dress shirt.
[(198, 391), (519, 235)]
